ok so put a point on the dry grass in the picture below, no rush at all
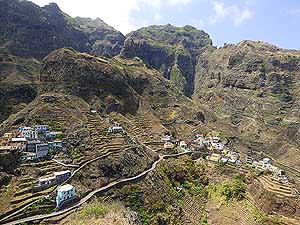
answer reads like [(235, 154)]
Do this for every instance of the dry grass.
[(101, 213)]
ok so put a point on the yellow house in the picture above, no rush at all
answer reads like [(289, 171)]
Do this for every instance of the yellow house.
[(214, 157), (8, 136), (225, 151)]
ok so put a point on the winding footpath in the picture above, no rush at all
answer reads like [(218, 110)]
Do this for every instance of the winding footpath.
[(102, 189), (65, 165), (47, 196)]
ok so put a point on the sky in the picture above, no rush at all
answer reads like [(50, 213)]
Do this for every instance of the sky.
[(226, 21)]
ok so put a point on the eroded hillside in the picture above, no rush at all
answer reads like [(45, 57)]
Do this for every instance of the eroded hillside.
[(254, 86)]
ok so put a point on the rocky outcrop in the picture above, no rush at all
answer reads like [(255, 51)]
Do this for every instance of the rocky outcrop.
[(85, 76), (18, 87), (28, 30), (169, 49)]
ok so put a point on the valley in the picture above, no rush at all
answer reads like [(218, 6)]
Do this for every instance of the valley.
[(155, 127)]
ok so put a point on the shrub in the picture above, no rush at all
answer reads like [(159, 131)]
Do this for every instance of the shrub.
[(94, 210)]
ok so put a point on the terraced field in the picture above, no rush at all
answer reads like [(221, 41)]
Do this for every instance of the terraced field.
[(233, 213), (193, 208), (280, 189)]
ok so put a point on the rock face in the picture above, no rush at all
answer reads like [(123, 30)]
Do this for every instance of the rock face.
[(28, 30), (18, 87), (169, 49), (82, 75), (105, 40), (253, 86)]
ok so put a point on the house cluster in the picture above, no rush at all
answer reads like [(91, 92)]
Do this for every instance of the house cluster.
[(170, 142), (216, 150), (34, 142), (266, 165)]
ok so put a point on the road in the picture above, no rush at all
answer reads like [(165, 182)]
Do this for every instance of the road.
[(73, 174), (63, 164), (102, 189)]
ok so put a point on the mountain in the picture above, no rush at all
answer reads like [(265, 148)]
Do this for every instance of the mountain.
[(27, 30), (169, 49), (81, 76), (254, 86), (18, 83)]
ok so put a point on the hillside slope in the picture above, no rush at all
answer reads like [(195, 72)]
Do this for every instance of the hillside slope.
[(254, 86), (28, 30)]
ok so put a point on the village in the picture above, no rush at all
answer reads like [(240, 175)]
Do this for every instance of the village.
[(39, 143)]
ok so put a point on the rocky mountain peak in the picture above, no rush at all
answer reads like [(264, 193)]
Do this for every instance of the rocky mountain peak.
[(169, 49), (52, 8)]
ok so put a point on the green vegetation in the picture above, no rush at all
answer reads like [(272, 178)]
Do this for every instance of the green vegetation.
[(44, 204), (227, 190), (74, 153), (94, 210), (204, 220), (177, 77)]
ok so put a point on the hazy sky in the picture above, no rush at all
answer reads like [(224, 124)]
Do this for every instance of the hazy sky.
[(227, 21)]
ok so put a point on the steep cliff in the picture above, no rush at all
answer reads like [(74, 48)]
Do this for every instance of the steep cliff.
[(28, 30), (169, 49)]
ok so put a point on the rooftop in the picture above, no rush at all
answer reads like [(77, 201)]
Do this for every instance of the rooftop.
[(65, 188), (61, 172), (18, 139)]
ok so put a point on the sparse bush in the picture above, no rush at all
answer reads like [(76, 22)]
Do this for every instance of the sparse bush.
[(94, 210)]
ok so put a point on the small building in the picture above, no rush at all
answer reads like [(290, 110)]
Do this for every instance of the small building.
[(115, 129), (183, 144), (46, 181), (31, 145), (41, 150), (28, 156), (41, 128), (263, 165), (249, 160), (94, 111), (169, 145), (50, 135), (62, 175), (217, 146), (206, 143), (267, 161), (8, 149), (216, 139), (65, 193), (224, 160), (8, 136), (19, 142), (214, 157), (166, 138), (28, 133), (56, 145)]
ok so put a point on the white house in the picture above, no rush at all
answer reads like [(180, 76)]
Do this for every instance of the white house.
[(183, 144), (215, 140), (64, 193), (168, 145), (62, 175), (166, 138), (115, 129), (19, 142), (28, 133), (46, 181)]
